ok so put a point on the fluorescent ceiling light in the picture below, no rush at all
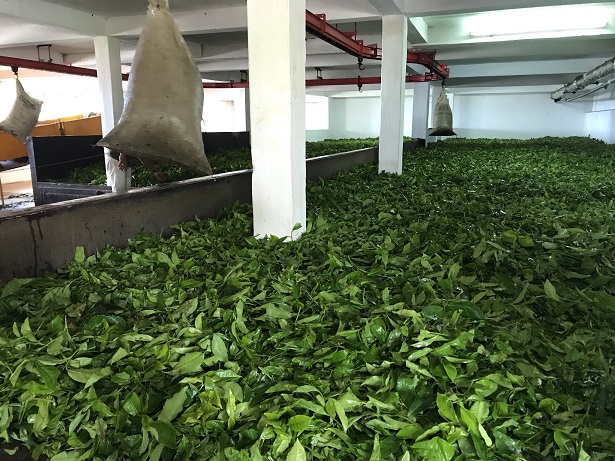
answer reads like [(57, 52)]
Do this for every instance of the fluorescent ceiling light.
[(538, 20)]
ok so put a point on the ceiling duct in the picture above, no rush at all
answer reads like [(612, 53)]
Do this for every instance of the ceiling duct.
[(592, 77)]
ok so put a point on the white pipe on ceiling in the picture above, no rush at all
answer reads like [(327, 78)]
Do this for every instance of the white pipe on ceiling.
[(588, 78)]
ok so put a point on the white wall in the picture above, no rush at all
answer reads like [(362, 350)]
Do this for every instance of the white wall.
[(359, 117), (600, 120), (62, 95), (519, 113), (317, 135), (516, 115), (224, 110)]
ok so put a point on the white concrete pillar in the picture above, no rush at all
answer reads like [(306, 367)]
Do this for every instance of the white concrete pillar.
[(420, 110), (109, 69), (276, 38), (394, 56)]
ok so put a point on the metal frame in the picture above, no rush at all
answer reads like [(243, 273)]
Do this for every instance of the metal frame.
[(317, 25)]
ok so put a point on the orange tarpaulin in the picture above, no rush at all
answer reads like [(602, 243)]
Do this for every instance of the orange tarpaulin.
[(76, 125)]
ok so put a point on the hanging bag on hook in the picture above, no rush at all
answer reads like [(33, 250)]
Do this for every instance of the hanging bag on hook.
[(23, 116), (162, 113), (443, 117)]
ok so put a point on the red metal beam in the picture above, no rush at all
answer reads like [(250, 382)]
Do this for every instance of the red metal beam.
[(226, 85), (360, 81), (428, 59), (316, 24), (50, 67)]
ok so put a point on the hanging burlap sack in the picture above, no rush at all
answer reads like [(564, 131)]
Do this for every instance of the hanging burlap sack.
[(23, 116), (443, 117), (163, 108)]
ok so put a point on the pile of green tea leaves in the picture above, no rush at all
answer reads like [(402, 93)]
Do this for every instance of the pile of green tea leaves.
[(464, 310), (221, 162)]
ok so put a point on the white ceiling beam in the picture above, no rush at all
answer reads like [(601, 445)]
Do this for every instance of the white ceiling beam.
[(126, 55), (345, 10), (457, 34), (235, 19), (188, 22), (497, 52), (509, 81), (437, 7), (388, 7), (49, 14), (517, 68), (320, 60), (30, 35), (418, 31), (239, 48)]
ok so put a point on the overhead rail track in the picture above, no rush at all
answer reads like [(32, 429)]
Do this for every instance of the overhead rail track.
[(317, 25), (50, 67)]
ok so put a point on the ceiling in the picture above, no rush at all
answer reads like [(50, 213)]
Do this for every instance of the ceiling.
[(110, 8), (475, 37)]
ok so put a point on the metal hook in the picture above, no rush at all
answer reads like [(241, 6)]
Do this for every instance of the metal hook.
[(15, 70), (359, 84)]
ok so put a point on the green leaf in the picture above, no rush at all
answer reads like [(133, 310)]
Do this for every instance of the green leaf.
[(506, 445), (470, 421), (376, 453), (218, 348), (563, 441), (173, 406), (41, 419), (411, 431), (156, 453), (88, 376), (297, 453), (66, 456), (26, 332), (445, 408), (189, 363), (454, 271), (132, 405), (480, 411), (480, 248), (451, 371), (79, 254), (13, 286), (55, 347), (119, 355), (49, 375), (164, 433), (583, 455), (341, 414), (550, 406), (299, 423), (550, 291), (435, 449)]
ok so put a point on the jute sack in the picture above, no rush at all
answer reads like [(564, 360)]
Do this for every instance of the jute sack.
[(443, 117), (23, 116), (163, 107)]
